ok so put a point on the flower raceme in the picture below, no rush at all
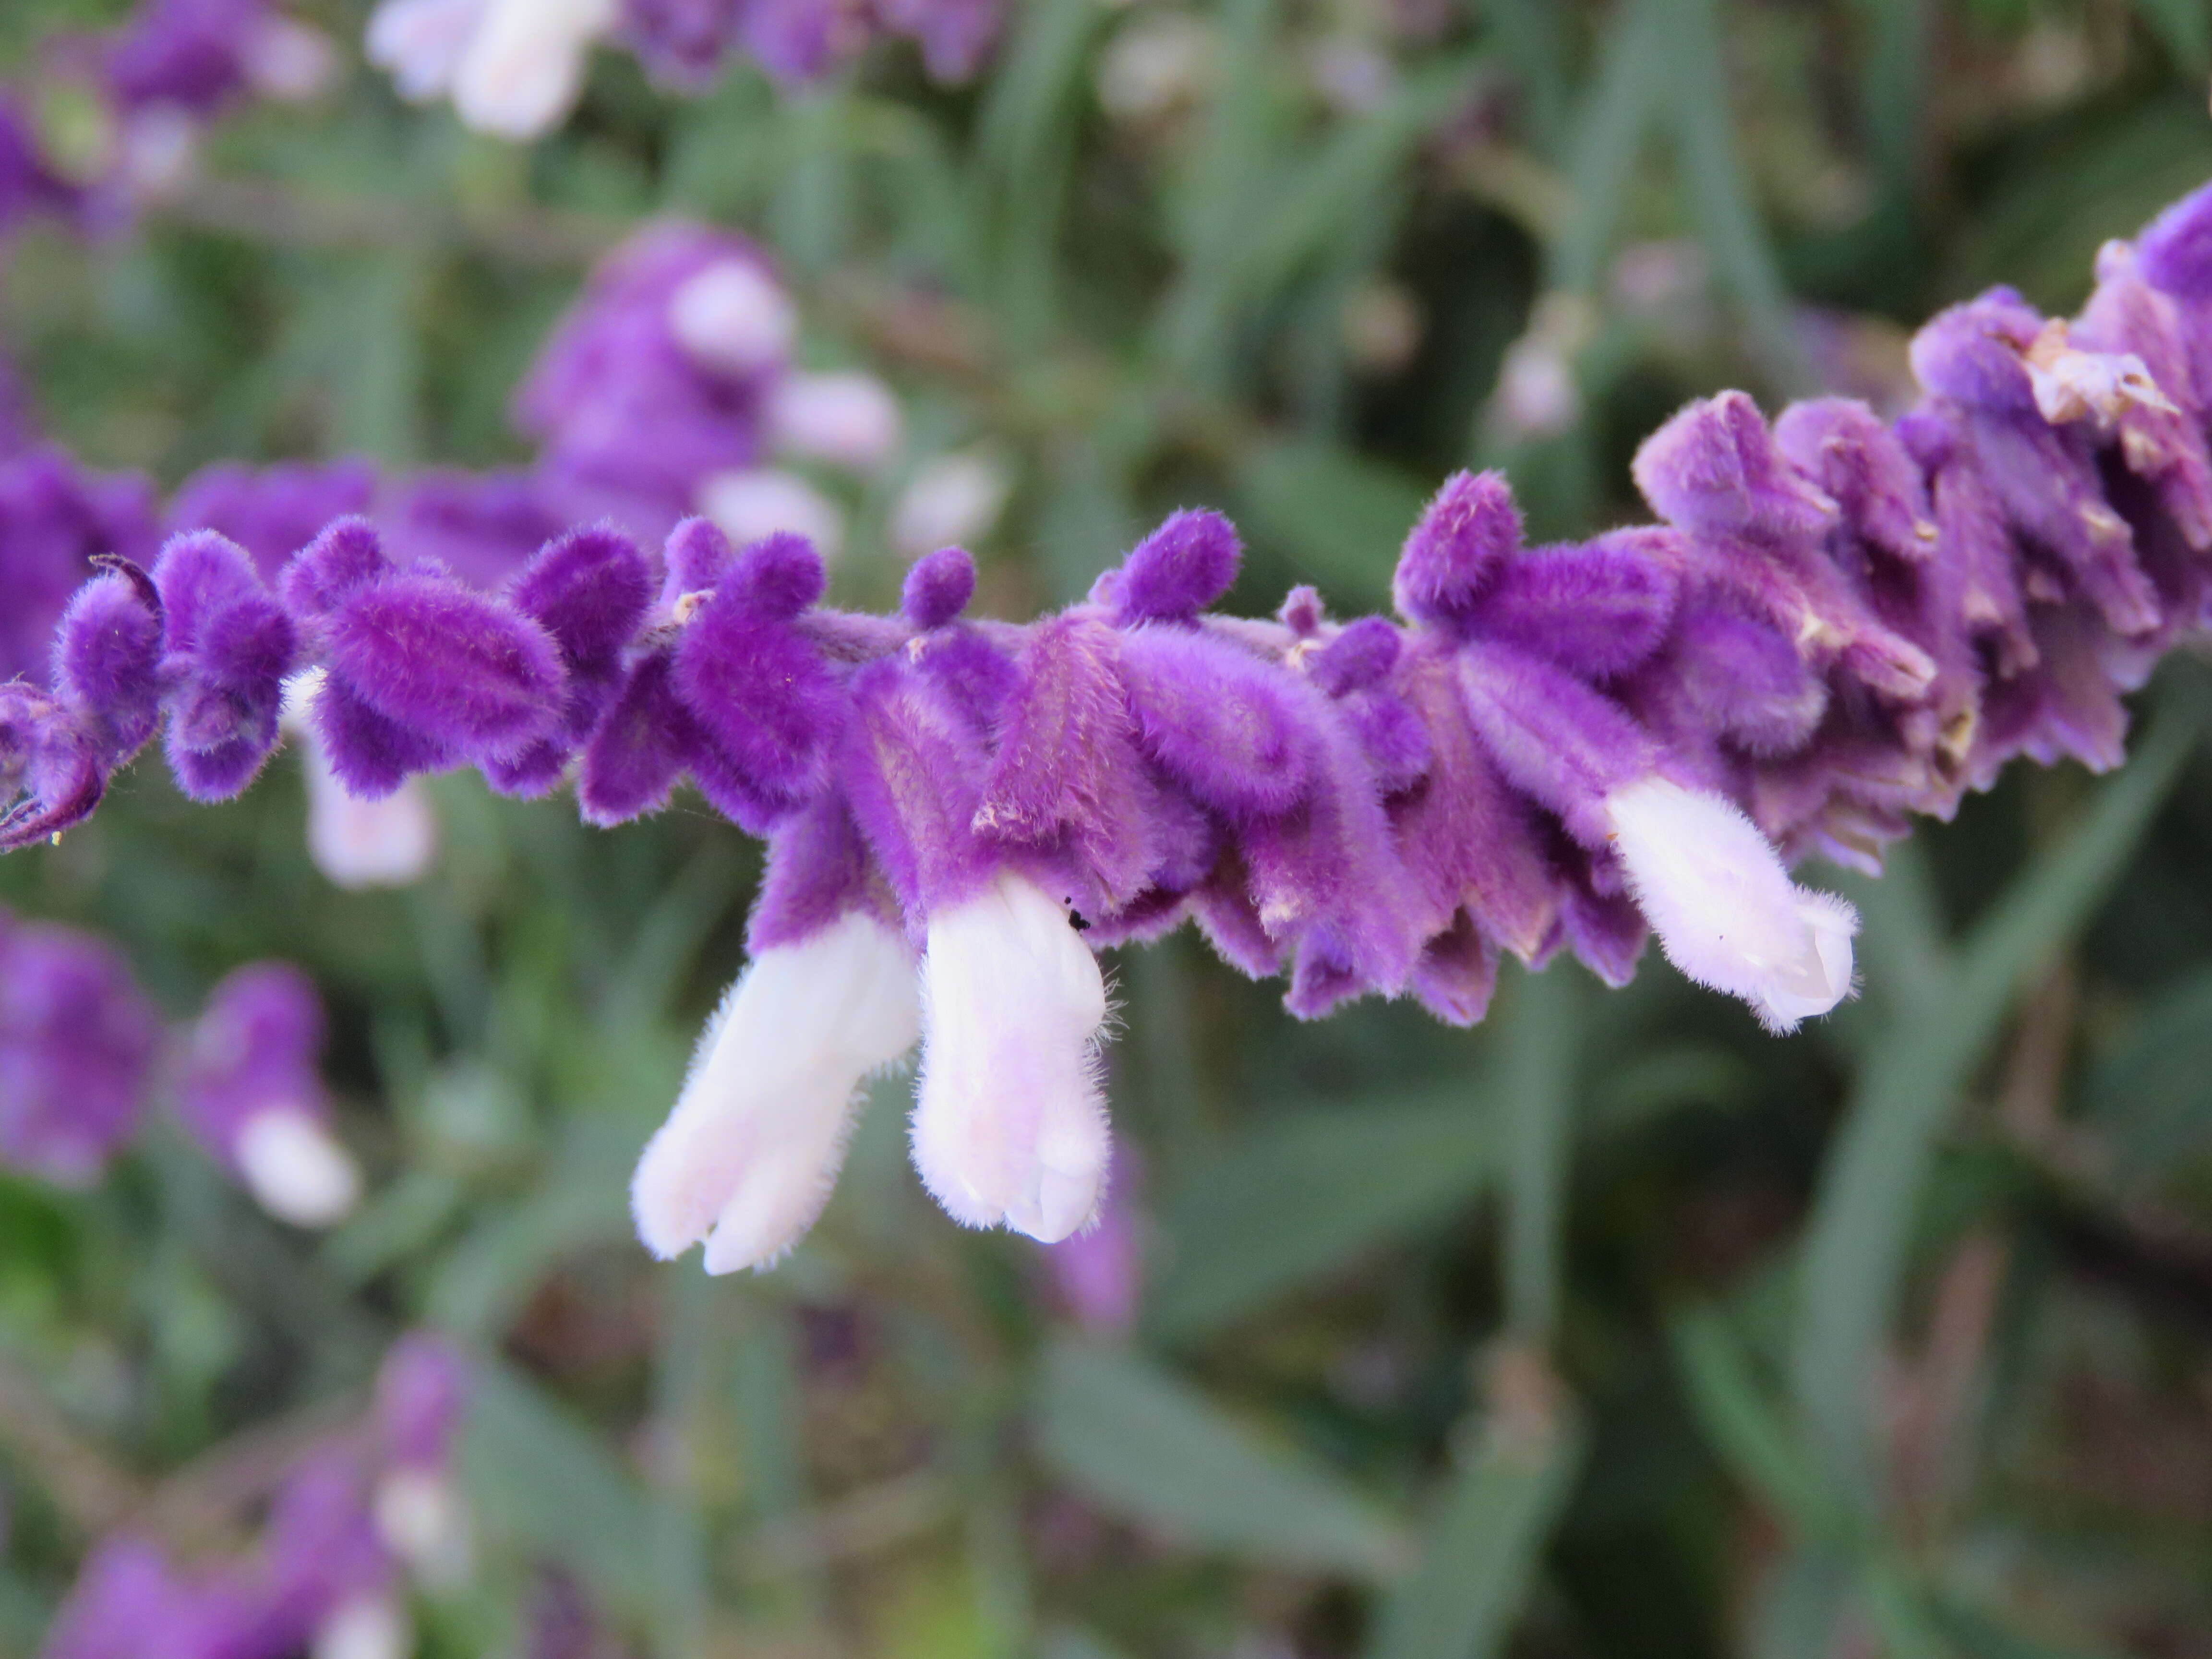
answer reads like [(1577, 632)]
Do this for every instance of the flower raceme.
[(1836, 625)]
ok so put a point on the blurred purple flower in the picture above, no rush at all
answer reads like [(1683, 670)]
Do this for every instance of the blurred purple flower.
[(78, 1042)]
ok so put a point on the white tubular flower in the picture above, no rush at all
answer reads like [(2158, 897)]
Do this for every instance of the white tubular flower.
[(848, 417), (747, 506), (1726, 912), (420, 43), (1009, 1121), (423, 1521), (746, 1160), (296, 1170), (734, 317), (367, 1627), (366, 844), (949, 502)]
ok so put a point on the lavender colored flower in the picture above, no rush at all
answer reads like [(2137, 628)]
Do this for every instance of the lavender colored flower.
[(55, 517), (1098, 1274), (272, 511), (513, 68), (251, 1093), (78, 1042), (422, 1394), (227, 646)]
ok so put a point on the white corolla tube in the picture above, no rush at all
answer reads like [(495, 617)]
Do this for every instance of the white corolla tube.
[(514, 68), (747, 1159), (296, 1169), (1010, 1119), (1726, 912)]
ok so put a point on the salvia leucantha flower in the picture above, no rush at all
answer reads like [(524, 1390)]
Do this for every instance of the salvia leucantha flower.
[(1836, 625)]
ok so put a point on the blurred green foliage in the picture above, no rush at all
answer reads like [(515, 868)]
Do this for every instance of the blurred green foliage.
[(1613, 1327)]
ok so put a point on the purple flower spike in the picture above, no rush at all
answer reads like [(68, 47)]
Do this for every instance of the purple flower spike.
[(1598, 610), (77, 1041), (107, 656), (251, 1094), (272, 511), (228, 647), (938, 587), (421, 1396), (1175, 572), (1469, 531)]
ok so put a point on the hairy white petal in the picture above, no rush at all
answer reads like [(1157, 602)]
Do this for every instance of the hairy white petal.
[(1009, 1121), (746, 1160), (848, 417), (525, 66), (366, 844), (1726, 912), (734, 317), (368, 1627), (296, 1169), (747, 506), (422, 42), (949, 502)]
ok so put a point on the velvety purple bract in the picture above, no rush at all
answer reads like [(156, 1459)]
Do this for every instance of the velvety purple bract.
[(228, 647), (1175, 572), (938, 587), (1469, 530), (107, 658)]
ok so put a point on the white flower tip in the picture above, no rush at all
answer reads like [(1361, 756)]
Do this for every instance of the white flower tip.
[(1010, 1120), (422, 1520), (951, 501), (523, 67), (367, 843), (734, 317), (367, 1627), (296, 1170), (1726, 912), (421, 43), (848, 417), (290, 61), (750, 505), (746, 1160)]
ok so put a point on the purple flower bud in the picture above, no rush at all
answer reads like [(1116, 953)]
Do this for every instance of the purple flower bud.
[(251, 1093), (228, 646), (635, 758), (938, 587), (1859, 464), (1361, 655), (1597, 610), (51, 777), (422, 1392), (589, 590), (1224, 723), (1713, 469), (1468, 534), (347, 555), (1175, 572), (55, 519), (108, 662), (1558, 741), (77, 1041)]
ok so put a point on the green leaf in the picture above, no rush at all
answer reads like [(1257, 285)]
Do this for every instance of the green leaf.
[(2185, 30), (1743, 1427), (1481, 1548), (539, 1477), (2152, 1100), (1339, 516), (1136, 1440), (1539, 1102), (1870, 1185), (1312, 1197)]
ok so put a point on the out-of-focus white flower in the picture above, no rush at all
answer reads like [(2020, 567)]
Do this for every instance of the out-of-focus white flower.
[(750, 505), (746, 1160), (734, 317), (949, 502), (1155, 67), (1726, 912), (158, 150), (1009, 1121), (1537, 392), (513, 68), (367, 1627), (1382, 327), (848, 416), (357, 843), (297, 1170), (289, 61), (423, 1520)]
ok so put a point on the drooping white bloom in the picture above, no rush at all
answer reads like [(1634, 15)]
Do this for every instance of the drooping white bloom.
[(748, 505), (847, 417), (367, 1627), (422, 1519), (296, 1169), (734, 317), (746, 1160), (1009, 1119), (514, 68), (949, 502), (1726, 912), (366, 844)]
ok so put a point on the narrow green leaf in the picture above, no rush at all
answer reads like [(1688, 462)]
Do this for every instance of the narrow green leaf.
[(1614, 119), (1744, 1428), (1481, 1547), (1311, 1197), (1539, 1098), (2184, 28), (1339, 516), (2151, 1101), (1135, 1439)]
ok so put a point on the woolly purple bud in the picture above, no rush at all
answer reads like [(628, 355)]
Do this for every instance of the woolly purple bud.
[(1972, 352), (77, 1041), (1597, 609), (372, 754), (347, 555), (49, 761), (107, 655), (938, 587), (251, 1094), (1744, 680), (1362, 655), (760, 689), (698, 555), (2174, 252), (1712, 470), (914, 771), (1560, 743), (433, 656), (1175, 572), (1469, 530), (228, 647), (1864, 468), (1221, 720), (642, 745), (777, 578)]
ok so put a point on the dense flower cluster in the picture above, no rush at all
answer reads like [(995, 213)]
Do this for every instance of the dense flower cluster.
[(1836, 625), (82, 1048), (515, 67), (350, 1519)]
